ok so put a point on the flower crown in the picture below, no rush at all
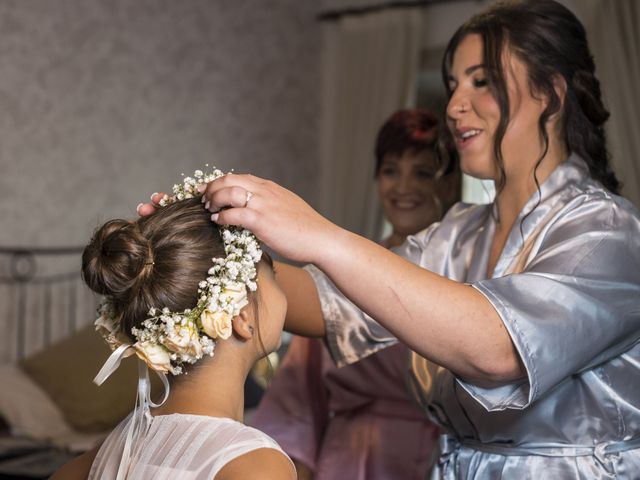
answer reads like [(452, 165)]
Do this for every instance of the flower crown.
[(167, 340)]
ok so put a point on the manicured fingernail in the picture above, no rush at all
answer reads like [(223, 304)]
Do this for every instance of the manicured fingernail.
[(203, 199), (206, 205), (153, 195), (138, 207), (201, 187), (214, 217)]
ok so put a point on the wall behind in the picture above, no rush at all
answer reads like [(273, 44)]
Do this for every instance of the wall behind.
[(103, 102)]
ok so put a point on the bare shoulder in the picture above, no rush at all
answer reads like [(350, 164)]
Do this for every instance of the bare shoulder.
[(78, 468), (259, 464)]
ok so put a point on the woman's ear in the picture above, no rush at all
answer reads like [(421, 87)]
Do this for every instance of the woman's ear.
[(243, 325), (560, 88)]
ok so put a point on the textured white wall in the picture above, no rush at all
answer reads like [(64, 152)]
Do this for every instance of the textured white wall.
[(103, 102)]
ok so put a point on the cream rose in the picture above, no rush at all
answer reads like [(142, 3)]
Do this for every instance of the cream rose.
[(155, 356), (235, 293), (184, 342), (216, 324)]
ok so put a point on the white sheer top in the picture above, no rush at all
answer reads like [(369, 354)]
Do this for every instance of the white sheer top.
[(189, 447)]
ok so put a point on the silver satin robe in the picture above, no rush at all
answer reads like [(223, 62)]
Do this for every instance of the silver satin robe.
[(567, 287)]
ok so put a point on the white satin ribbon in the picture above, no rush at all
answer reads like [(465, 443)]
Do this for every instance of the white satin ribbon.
[(141, 415), (113, 362)]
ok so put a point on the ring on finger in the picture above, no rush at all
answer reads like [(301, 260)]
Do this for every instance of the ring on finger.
[(249, 195)]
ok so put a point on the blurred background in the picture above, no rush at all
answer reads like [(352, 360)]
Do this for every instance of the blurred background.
[(103, 102)]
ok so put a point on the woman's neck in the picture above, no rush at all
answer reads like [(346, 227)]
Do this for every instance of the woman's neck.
[(215, 389), (394, 240), (519, 188)]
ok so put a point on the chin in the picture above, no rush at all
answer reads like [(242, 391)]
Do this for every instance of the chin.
[(413, 228), (421, 221), (479, 164)]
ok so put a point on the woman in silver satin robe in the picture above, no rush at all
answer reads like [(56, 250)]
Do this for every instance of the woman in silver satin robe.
[(571, 302), (561, 277)]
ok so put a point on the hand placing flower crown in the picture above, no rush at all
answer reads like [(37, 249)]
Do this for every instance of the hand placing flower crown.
[(279, 217)]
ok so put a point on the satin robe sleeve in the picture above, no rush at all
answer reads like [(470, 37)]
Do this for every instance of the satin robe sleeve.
[(352, 334), (575, 303)]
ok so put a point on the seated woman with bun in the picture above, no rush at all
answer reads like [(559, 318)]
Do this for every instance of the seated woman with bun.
[(186, 296)]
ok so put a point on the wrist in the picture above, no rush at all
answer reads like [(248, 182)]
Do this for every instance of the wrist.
[(338, 247)]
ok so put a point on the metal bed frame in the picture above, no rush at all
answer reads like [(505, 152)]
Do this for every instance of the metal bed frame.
[(23, 282)]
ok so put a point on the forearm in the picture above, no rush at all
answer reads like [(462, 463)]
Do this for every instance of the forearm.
[(450, 323), (304, 314)]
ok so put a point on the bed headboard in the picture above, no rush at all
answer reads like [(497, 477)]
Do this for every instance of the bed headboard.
[(42, 298)]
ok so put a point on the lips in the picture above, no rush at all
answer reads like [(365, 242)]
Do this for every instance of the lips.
[(465, 135), (405, 203)]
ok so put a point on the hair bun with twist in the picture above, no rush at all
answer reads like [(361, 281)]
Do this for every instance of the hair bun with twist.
[(117, 260)]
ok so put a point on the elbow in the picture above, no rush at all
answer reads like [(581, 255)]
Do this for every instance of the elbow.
[(496, 370)]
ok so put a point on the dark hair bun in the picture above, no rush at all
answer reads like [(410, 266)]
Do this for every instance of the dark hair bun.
[(117, 260)]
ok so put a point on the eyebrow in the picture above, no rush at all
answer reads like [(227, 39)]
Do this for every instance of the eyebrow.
[(469, 70), (390, 159), (473, 68)]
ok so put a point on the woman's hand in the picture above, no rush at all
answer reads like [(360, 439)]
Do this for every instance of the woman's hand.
[(281, 219), (146, 209)]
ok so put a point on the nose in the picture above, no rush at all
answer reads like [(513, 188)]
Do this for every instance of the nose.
[(404, 183), (458, 105)]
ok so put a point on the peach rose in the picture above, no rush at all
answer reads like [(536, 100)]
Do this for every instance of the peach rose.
[(155, 356), (216, 324), (184, 342)]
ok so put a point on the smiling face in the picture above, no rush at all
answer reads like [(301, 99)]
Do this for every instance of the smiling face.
[(407, 189), (473, 115)]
